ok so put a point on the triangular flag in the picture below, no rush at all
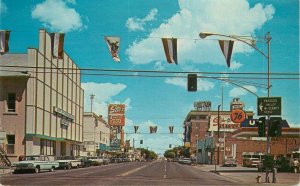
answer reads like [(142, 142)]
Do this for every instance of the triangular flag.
[(170, 47), (155, 129), (136, 128), (57, 45), (4, 38), (171, 128), (226, 47), (151, 129), (113, 44)]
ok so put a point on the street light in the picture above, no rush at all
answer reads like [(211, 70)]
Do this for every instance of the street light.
[(251, 42)]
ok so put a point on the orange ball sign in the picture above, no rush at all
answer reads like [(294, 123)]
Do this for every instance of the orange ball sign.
[(237, 116)]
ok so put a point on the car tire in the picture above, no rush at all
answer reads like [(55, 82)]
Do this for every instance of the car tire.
[(37, 170), (69, 166), (52, 169)]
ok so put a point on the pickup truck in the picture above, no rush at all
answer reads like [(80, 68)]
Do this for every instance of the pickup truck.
[(35, 163), (68, 162)]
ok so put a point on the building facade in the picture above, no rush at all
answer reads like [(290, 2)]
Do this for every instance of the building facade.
[(96, 134), (41, 103), (212, 142)]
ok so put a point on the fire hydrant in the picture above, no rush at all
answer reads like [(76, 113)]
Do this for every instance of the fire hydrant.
[(258, 178)]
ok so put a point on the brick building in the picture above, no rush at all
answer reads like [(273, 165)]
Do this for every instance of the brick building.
[(210, 144)]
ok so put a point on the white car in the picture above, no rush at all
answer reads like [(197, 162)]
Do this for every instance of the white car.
[(68, 162)]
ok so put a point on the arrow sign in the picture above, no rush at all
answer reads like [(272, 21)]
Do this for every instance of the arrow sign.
[(267, 106)]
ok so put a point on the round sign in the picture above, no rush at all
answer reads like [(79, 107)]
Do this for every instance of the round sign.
[(237, 116), (227, 148)]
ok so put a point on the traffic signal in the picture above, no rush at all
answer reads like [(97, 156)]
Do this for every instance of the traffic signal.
[(141, 141), (275, 127), (192, 83), (261, 126)]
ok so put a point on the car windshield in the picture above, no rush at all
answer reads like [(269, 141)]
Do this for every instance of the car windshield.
[(32, 158)]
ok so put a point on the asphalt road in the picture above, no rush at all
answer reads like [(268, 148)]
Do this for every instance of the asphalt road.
[(134, 173)]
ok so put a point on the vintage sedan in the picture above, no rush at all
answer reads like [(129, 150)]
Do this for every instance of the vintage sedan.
[(68, 162), (35, 163)]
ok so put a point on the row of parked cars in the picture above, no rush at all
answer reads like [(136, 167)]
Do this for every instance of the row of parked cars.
[(38, 163)]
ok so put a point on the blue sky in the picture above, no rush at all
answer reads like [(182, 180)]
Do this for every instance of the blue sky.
[(140, 24)]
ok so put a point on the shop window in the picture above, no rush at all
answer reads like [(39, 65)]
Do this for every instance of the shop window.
[(10, 144), (11, 102)]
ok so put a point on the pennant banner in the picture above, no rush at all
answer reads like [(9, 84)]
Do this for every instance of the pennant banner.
[(170, 47), (113, 44), (171, 128), (136, 128), (153, 129), (4, 39), (226, 47), (57, 44)]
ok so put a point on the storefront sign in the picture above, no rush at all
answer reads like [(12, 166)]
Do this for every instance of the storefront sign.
[(116, 109), (226, 124), (116, 120), (63, 113)]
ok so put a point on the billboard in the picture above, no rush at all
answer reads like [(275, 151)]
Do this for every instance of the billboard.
[(226, 124)]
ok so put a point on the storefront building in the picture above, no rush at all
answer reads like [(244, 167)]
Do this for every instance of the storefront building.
[(41, 103), (96, 135)]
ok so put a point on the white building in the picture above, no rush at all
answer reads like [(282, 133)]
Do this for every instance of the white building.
[(96, 134), (41, 107)]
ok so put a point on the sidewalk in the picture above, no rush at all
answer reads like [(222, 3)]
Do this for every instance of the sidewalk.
[(5, 170), (248, 176)]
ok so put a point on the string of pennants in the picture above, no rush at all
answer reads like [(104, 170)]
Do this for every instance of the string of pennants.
[(153, 129), (113, 43)]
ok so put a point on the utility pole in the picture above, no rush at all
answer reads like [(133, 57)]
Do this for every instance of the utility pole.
[(92, 99)]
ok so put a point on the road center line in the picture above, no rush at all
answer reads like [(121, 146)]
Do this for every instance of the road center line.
[(135, 170)]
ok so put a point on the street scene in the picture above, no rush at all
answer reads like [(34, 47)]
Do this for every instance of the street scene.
[(137, 92)]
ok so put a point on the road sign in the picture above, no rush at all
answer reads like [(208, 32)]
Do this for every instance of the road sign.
[(237, 116), (267, 106)]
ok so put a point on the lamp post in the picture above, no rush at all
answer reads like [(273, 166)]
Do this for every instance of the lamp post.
[(245, 39)]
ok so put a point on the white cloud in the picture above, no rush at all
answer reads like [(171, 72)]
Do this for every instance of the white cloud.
[(3, 7), (56, 15), (235, 65), (136, 24), (238, 91), (194, 16), (104, 93), (202, 85)]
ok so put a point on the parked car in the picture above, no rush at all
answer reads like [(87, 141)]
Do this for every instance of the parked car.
[(230, 162), (85, 162), (35, 163), (68, 162), (94, 160), (185, 161), (251, 162)]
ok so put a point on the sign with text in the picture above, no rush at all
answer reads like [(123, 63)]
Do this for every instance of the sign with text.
[(116, 114), (226, 124), (116, 109), (267, 106), (116, 120), (237, 116)]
